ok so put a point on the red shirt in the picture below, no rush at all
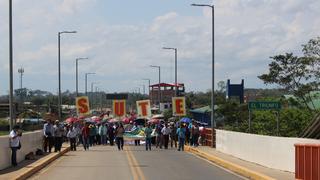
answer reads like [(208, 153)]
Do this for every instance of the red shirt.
[(85, 131)]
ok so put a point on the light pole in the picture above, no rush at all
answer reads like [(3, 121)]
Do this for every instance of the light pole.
[(175, 68), (11, 67), (59, 69), (21, 71), (159, 95), (148, 88), (86, 81), (78, 59), (213, 122)]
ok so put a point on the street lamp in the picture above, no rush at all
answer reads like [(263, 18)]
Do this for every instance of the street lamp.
[(159, 95), (175, 68), (21, 71), (148, 86), (78, 59), (86, 84), (10, 67), (213, 122), (59, 69)]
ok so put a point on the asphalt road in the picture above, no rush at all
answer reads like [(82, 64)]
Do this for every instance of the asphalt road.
[(105, 162)]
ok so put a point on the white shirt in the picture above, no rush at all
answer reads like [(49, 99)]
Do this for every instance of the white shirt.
[(14, 142), (72, 133), (165, 130)]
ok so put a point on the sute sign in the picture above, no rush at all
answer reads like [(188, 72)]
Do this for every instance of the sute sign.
[(144, 108), (119, 108), (179, 106), (82, 105)]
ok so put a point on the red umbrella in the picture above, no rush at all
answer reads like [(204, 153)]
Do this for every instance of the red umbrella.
[(81, 117), (113, 120), (71, 120), (126, 120)]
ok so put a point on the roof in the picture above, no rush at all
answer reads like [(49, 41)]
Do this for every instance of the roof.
[(315, 96), (202, 110), (167, 85)]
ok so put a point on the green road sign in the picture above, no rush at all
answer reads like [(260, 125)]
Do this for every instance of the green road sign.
[(264, 105)]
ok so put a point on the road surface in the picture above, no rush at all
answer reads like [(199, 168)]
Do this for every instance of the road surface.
[(106, 162)]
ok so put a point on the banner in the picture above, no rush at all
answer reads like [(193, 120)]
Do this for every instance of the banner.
[(144, 108), (82, 105), (179, 106), (119, 108)]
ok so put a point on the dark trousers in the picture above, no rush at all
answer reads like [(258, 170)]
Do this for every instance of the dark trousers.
[(173, 141), (73, 144), (195, 138), (48, 143), (120, 142), (166, 141), (14, 156), (91, 140), (137, 142), (57, 144), (111, 139), (181, 144), (148, 144), (159, 141), (85, 142), (98, 139), (80, 139)]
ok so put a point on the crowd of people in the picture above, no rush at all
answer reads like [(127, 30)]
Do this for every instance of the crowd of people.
[(161, 135)]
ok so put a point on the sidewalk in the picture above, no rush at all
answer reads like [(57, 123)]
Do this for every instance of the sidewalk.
[(240, 166), (27, 168)]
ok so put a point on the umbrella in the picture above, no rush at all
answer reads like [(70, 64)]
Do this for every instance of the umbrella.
[(140, 121), (185, 120), (126, 120), (113, 120), (81, 117), (95, 119), (71, 120), (158, 116), (154, 121)]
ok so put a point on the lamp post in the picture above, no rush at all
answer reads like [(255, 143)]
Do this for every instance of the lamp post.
[(86, 81), (21, 71), (148, 89), (159, 95), (213, 122), (11, 67), (175, 68), (78, 59), (59, 69)]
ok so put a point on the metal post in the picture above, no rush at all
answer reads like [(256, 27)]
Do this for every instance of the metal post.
[(176, 70), (249, 121), (59, 79), (12, 117), (159, 92), (77, 92)]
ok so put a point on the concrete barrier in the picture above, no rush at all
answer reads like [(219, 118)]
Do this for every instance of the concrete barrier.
[(29, 143), (268, 151)]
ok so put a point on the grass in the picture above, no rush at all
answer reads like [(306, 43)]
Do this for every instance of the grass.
[(3, 133)]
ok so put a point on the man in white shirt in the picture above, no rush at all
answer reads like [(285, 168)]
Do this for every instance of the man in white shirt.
[(166, 132), (15, 135)]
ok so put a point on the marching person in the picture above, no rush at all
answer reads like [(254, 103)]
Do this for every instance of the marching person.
[(165, 131), (48, 133), (181, 132), (111, 134), (119, 136), (85, 136), (103, 134), (148, 132), (58, 135), (15, 144), (173, 135), (72, 135)]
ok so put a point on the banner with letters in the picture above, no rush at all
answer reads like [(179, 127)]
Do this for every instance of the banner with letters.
[(144, 108), (179, 106), (82, 105), (119, 108)]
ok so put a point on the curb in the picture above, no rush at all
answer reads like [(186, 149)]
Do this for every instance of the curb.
[(40, 165), (229, 165)]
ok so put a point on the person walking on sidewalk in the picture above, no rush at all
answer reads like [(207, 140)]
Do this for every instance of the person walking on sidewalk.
[(15, 144), (181, 132), (148, 132), (58, 135), (111, 132), (72, 135), (85, 136), (48, 133), (119, 136), (165, 131), (173, 135), (195, 132)]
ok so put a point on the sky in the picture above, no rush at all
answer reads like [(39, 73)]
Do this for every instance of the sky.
[(123, 38)]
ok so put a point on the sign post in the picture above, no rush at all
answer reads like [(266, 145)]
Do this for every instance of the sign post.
[(265, 105)]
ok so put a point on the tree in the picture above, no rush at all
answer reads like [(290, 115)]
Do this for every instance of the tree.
[(294, 74)]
